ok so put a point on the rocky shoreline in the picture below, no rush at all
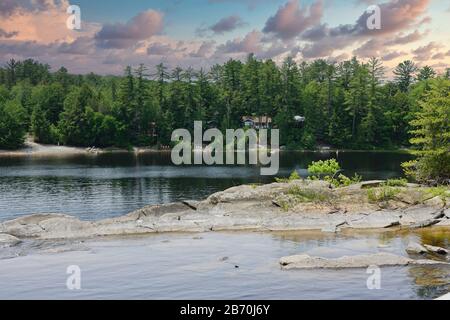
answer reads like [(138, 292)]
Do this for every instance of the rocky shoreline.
[(291, 206)]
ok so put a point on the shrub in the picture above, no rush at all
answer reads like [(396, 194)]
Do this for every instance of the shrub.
[(324, 168), (396, 182), (294, 176), (383, 194), (327, 170), (343, 180), (307, 195)]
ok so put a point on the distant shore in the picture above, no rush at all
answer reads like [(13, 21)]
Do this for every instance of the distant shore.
[(31, 148)]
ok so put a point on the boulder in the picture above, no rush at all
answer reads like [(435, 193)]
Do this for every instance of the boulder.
[(436, 202), (415, 248), (305, 261), (437, 250), (7, 240)]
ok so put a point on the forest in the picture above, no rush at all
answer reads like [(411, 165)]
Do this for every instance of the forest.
[(349, 105)]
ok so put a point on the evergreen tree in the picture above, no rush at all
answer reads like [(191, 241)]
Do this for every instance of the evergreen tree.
[(426, 73), (431, 135), (12, 124), (404, 74)]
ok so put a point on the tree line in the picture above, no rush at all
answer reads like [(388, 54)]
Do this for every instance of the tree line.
[(349, 105)]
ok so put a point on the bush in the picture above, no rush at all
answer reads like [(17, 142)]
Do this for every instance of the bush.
[(324, 168), (396, 182), (343, 180), (294, 176), (383, 194), (327, 170), (306, 195)]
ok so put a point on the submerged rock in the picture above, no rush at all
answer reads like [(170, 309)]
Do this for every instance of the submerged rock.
[(7, 240), (437, 250), (415, 248), (305, 261)]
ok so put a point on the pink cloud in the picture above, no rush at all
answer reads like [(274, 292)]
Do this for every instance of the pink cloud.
[(141, 27), (291, 20)]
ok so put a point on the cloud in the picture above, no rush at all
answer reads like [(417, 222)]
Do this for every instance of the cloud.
[(398, 16), (405, 39), (290, 20), (426, 52), (42, 21), (9, 7), (251, 43), (227, 24), (141, 27), (204, 50), (369, 49), (254, 42), (8, 35), (316, 33), (81, 46), (393, 55), (164, 49)]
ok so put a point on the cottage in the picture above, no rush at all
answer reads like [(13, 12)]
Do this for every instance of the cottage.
[(263, 122)]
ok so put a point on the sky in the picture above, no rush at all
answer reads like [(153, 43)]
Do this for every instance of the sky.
[(201, 33)]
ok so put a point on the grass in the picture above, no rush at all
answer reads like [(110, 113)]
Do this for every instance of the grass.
[(294, 176), (307, 195), (433, 192), (383, 194), (396, 182)]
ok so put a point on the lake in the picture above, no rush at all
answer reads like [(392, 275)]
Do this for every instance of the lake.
[(216, 265), (94, 187), (223, 265)]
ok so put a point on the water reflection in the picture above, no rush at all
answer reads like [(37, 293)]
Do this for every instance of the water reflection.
[(106, 185), (150, 267)]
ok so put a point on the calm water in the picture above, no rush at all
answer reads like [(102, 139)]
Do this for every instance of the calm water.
[(177, 266), (94, 187)]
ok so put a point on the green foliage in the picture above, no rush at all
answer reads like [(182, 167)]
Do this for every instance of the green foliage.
[(324, 168), (346, 105), (307, 195), (343, 181), (404, 74), (396, 182), (382, 194), (294, 176), (441, 191), (426, 73), (12, 124), (327, 170), (431, 135)]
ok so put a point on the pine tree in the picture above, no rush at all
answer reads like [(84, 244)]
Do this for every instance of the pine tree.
[(356, 97), (431, 135), (426, 73), (404, 74)]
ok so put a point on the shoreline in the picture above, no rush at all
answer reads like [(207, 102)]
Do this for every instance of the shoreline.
[(40, 150), (270, 207)]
